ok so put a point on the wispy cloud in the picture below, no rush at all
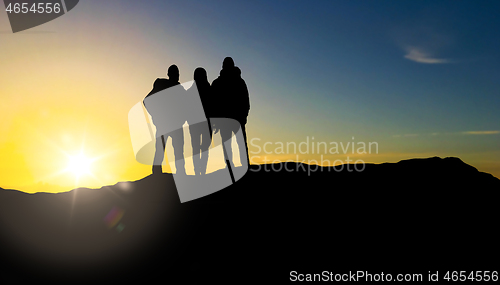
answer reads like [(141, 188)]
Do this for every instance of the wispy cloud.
[(419, 55), (457, 133), (481, 133), (406, 135)]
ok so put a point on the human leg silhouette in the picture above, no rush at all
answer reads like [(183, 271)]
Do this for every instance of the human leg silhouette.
[(245, 142), (196, 140), (242, 146), (178, 145), (159, 155), (226, 134), (206, 140)]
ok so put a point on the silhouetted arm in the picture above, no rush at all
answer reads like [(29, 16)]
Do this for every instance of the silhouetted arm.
[(213, 102), (215, 99), (245, 101), (247, 96)]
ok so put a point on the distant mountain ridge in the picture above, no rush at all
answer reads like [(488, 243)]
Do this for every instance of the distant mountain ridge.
[(269, 222)]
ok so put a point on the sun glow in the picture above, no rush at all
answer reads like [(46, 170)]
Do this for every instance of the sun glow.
[(79, 165)]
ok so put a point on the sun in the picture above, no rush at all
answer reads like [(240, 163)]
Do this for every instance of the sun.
[(79, 165)]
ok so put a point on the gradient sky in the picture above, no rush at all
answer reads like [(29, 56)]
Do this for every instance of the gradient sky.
[(420, 78)]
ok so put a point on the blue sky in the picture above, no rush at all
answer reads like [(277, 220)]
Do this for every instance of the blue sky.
[(377, 69), (423, 66)]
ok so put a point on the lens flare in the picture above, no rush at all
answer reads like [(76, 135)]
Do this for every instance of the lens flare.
[(113, 217)]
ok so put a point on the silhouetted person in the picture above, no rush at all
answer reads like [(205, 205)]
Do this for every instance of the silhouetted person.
[(165, 126), (201, 133), (231, 101)]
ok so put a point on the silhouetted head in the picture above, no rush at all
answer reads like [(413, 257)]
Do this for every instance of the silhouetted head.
[(227, 63), (173, 73), (200, 75)]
